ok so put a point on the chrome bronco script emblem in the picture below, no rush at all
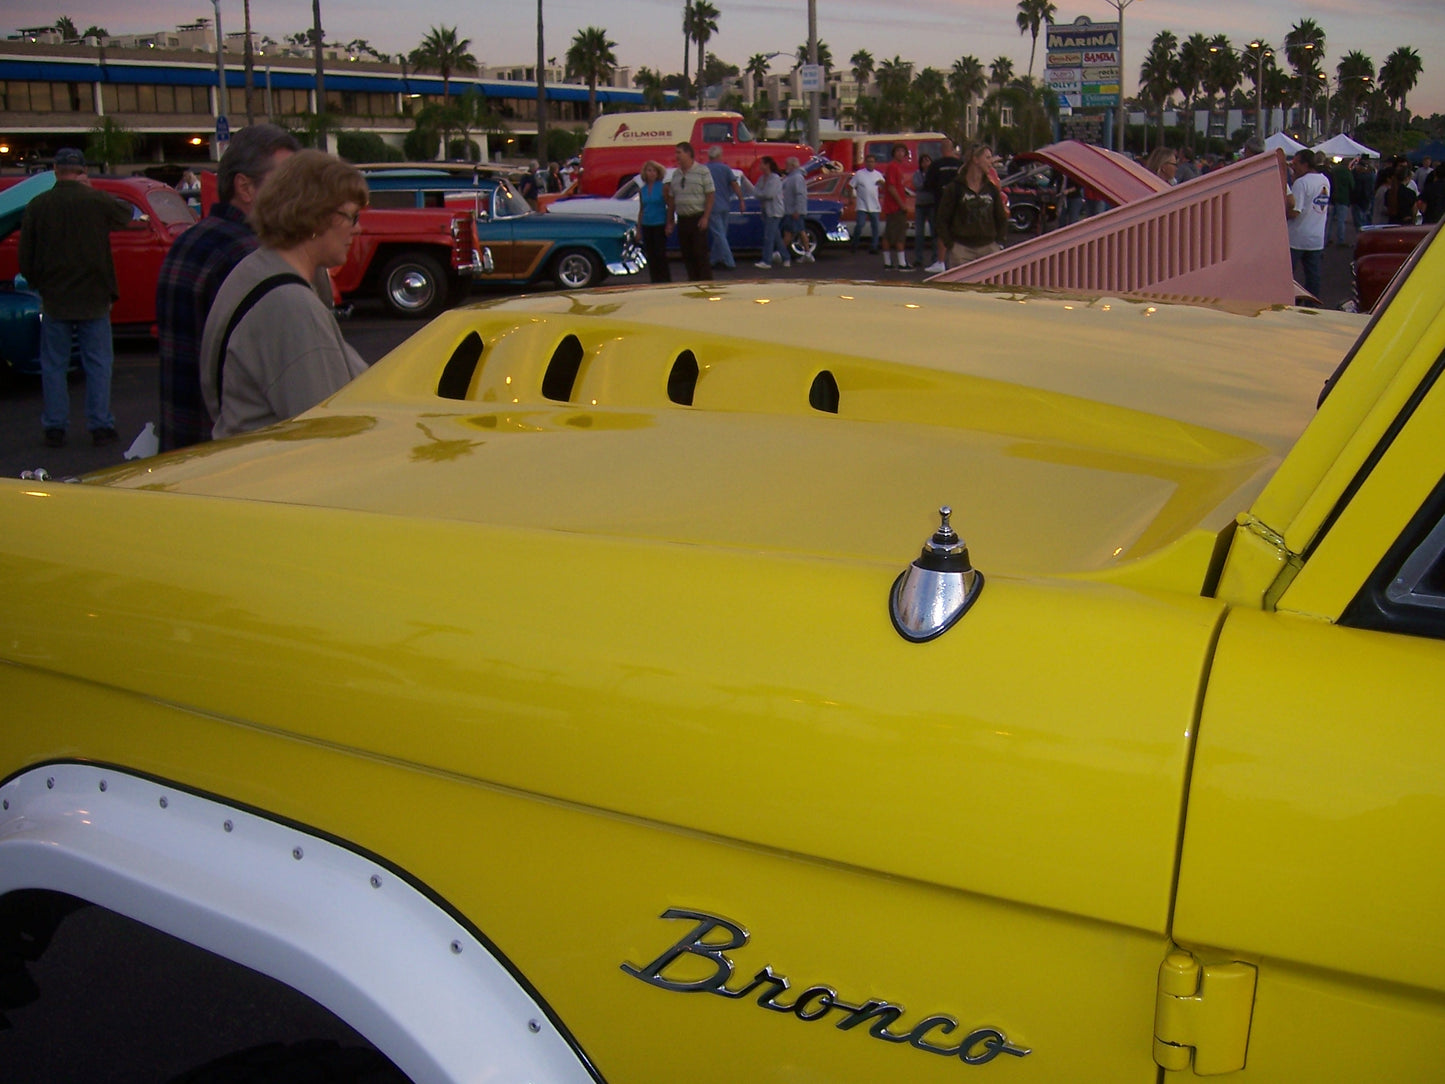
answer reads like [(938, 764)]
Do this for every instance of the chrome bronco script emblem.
[(713, 938)]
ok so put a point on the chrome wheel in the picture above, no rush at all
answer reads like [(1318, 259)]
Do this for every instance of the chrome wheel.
[(414, 284), (576, 269)]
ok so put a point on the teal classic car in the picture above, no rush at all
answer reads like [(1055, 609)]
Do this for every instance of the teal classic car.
[(527, 247)]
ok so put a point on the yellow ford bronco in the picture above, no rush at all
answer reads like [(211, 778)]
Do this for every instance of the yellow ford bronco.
[(594, 690)]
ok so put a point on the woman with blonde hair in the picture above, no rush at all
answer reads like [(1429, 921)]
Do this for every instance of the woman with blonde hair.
[(972, 221), (652, 219), (1163, 162), (272, 348)]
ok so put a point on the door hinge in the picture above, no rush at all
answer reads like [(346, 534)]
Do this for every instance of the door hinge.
[(1203, 1010)]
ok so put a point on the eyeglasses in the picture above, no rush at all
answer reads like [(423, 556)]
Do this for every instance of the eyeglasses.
[(351, 216)]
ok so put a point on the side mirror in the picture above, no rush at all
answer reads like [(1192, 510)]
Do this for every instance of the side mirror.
[(141, 221)]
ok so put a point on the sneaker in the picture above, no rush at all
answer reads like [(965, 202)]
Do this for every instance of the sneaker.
[(807, 257), (787, 263), (104, 435), (763, 265), (55, 438), (777, 257), (935, 267)]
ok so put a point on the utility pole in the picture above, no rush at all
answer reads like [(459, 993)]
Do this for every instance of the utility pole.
[(250, 70), (320, 75), (541, 93), (813, 59)]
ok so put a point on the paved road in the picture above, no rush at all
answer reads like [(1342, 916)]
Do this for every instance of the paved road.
[(373, 334)]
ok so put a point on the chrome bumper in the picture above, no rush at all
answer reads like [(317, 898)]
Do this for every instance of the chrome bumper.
[(841, 232), (633, 261), (482, 264)]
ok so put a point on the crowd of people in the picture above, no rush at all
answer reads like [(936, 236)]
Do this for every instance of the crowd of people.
[(246, 331)]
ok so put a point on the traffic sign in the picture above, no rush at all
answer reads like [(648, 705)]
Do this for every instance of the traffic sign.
[(223, 129), (810, 78)]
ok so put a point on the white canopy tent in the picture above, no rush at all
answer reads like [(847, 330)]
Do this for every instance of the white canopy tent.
[(1342, 146), (1281, 142)]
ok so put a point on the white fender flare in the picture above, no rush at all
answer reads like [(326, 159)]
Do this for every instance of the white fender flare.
[(345, 929)]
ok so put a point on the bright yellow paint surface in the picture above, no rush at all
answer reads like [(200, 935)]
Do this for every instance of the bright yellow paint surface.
[(571, 664)]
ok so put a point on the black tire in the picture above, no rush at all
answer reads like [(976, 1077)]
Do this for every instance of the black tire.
[(315, 1061), (414, 284), (1023, 217), (576, 269), (810, 240)]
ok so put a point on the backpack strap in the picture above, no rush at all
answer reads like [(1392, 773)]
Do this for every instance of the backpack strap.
[(255, 294)]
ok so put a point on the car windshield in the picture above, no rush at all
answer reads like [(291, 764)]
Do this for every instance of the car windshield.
[(507, 202), (170, 209), (744, 134)]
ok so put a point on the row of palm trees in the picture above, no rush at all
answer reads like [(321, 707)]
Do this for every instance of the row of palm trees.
[(1201, 68)]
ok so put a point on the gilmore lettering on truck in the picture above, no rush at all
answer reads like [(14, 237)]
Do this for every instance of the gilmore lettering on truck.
[(620, 143)]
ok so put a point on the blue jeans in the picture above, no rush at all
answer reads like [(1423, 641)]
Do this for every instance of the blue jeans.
[(719, 251), (923, 234), (1306, 263), (1339, 220), (874, 237), (93, 339), (772, 237), (1362, 216)]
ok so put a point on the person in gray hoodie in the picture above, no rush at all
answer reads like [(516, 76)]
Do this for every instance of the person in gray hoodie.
[(795, 204), (769, 191)]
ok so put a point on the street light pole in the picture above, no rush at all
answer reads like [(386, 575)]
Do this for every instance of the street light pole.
[(1261, 51), (1123, 115), (220, 65)]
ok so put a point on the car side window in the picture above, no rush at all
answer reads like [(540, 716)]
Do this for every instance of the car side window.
[(717, 131), (1406, 593)]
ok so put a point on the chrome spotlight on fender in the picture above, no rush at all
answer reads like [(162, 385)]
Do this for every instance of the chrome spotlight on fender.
[(936, 589)]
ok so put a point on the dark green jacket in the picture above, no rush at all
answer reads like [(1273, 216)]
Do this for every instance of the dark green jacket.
[(65, 249)]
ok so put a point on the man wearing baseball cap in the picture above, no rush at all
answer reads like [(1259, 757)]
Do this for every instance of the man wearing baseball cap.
[(65, 254)]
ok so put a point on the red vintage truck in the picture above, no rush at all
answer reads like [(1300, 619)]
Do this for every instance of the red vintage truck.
[(619, 144), (158, 216)]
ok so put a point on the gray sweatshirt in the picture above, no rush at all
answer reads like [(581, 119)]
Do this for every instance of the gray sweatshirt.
[(285, 356)]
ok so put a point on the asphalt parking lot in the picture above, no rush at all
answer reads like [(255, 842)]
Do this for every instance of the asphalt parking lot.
[(374, 334)]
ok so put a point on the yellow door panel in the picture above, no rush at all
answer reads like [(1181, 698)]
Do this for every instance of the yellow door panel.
[(1312, 843)]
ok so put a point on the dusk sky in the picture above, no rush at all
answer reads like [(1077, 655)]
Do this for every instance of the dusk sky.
[(927, 32)]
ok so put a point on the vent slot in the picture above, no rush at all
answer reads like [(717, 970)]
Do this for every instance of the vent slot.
[(823, 395), (682, 381), (456, 378), (562, 370)]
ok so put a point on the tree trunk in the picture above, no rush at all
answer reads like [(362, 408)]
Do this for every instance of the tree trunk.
[(686, 41)]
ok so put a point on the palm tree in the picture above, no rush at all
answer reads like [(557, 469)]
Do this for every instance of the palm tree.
[(1156, 74), (99, 32), (967, 81), (473, 112), (443, 52), (1304, 48), (1190, 66), (1001, 71), (704, 26), (249, 62), (1032, 15), (650, 83), (66, 25), (1398, 75), (1355, 72), (590, 57), (929, 101), (894, 77), (1224, 72), (757, 67), (862, 62), (825, 55)]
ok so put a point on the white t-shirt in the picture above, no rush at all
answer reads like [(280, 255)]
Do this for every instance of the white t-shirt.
[(1312, 200), (865, 184)]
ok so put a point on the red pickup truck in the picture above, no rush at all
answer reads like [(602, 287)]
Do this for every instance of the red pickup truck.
[(619, 144), (158, 216)]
